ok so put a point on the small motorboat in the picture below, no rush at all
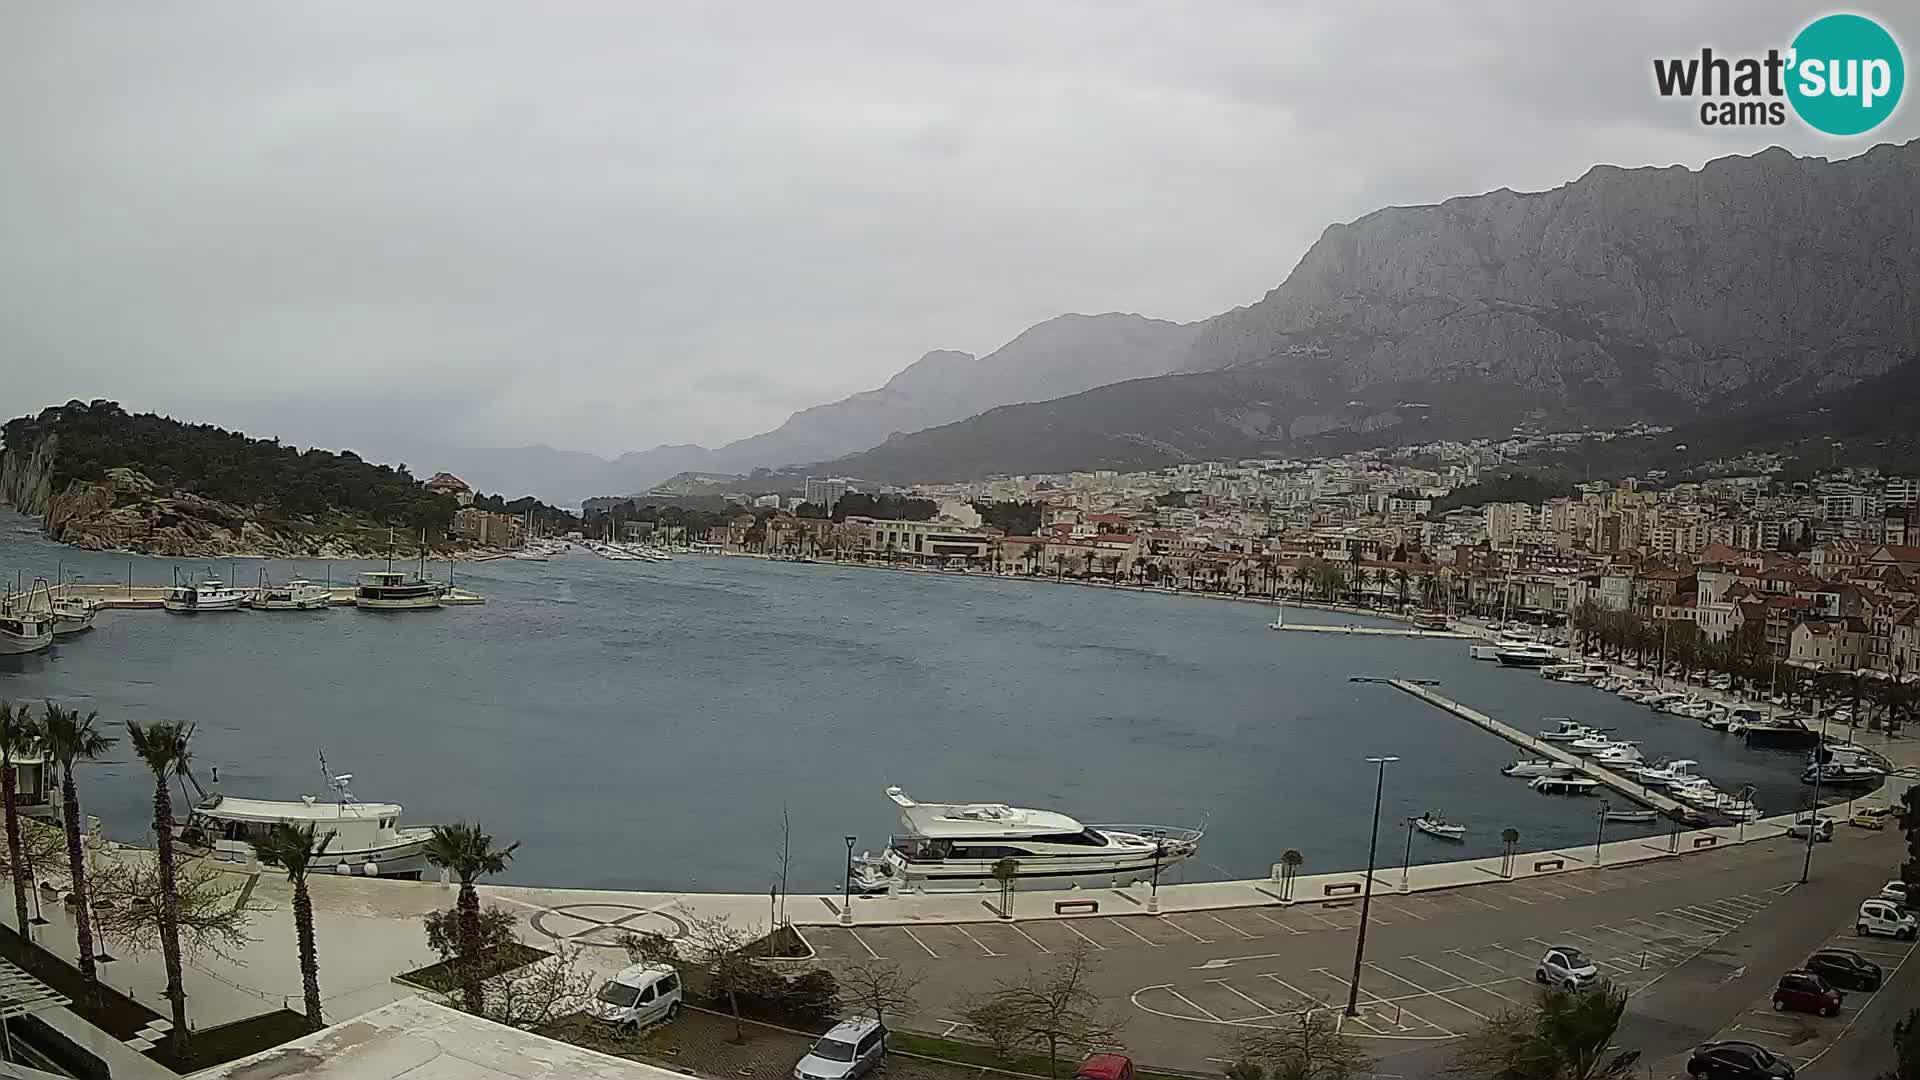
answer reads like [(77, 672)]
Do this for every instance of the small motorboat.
[(1564, 785), (1532, 767), (1566, 730), (1592, 744), (1840, 774), (1632, 817), (1531, 654), (1436, 824), (1620, 753)]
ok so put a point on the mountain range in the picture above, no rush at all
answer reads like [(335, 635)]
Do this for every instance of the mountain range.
[(1660, 294)]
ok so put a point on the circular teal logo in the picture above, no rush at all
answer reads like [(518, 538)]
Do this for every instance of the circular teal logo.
[(1847, 74)]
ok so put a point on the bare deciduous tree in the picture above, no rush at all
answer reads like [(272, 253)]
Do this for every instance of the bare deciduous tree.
[(1048, 1011), (720, 949), (539, 993), (878, 987), (1309, 1047), (126, 893)]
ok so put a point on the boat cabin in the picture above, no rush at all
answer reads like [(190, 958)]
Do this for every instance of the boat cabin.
[(357, 826)]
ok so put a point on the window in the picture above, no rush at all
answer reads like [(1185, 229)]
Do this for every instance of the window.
[(669, 984), (867, 1044), (619, 995), (646, 995), (833, 1050), (1086, 838)]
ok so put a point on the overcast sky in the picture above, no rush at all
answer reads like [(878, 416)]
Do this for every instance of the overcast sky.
[(606, 226)]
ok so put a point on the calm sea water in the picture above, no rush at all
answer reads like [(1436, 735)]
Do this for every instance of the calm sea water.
[(642, 725)]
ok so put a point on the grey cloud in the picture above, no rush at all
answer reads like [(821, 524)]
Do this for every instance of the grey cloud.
[(612, 225)]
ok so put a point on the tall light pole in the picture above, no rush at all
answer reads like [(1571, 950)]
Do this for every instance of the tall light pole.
[(1600, 831), (1813, 815), (846, 891), (1366, 892), (1407, 862)]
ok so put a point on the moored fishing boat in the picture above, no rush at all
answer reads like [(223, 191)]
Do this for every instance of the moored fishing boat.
[(298, 594), (71, 614), (209, 595), (368, 838), (1566, 730), (391, 590)]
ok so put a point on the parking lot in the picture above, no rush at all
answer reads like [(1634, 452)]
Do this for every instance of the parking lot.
[(1027, 939), (1802, 1037), (1440, 993)]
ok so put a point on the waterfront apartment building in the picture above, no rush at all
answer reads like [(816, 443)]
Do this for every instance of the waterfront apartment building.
[(924, 540), (493, 530), (825, 491)]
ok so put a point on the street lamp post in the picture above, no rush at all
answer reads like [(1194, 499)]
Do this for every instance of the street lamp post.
[(1600, 830), (1813, 813), (1366, 892), (1153, 891), (1407, 862), (846, 891)]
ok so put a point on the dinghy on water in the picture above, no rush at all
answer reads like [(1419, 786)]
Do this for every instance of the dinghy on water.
[(1434, 823)]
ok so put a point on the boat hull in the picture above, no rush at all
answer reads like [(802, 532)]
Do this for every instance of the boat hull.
[(406, 859), (218, 603), (1523, 660), (964, 872), (389, 603), (19, 645)]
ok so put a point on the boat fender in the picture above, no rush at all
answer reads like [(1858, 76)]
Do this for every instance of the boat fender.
[(344, 869), (370, 868)]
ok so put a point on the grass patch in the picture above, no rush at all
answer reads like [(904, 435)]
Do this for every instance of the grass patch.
[(967, 1053), (218, 1045), (442, 977)]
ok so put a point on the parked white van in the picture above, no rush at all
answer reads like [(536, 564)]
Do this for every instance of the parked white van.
[(638, 996), (1879, 916)]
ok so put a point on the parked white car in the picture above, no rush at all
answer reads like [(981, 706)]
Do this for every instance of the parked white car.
[(639, 996), (1899, 892), (1878, 916), (1566, 968)]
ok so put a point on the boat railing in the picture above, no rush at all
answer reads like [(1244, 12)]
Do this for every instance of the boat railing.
[(1173, 834)]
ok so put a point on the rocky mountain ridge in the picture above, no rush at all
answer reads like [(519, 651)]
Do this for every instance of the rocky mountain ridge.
[(1628, 294)]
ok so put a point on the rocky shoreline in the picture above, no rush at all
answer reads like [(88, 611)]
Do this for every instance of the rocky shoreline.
[(123, 512)]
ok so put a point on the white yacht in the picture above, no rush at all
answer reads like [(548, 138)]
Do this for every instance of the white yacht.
[(1592, 743), (391, 590), (298, 594), (1485, 650), (1434, 823), (1530, 654), (959, 844), (367, 837), (210, 595), (1564, 785)]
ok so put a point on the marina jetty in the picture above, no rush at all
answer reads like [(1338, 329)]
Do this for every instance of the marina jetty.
[(1582, 766), (153, 597)]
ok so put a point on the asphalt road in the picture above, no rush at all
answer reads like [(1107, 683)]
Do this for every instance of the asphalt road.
[(1699, 938)]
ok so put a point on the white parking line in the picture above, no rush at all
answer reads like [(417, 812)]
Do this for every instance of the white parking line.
[(1184, 930), (1475, 900), (1294, 990), (1135, 933), (1475, 960), (1255, 1002), (1576, 888), (1467, 983), (1321, 918), (1068, 923), (1235, 929), (1190, 1004), (863, 944), (1712, 922), (976, 941), (1402, 1013), (1278, 923), (922, 944), (1441, 994), (1029, 937)]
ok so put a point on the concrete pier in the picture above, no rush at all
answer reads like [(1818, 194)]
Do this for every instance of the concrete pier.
[(138, 597), (1630, 788), (1377, 631)]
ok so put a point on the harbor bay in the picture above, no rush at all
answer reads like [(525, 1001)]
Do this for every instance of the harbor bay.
[(643, 725)]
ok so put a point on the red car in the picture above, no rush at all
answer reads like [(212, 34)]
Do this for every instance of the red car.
[(1803, 991), (1105, 1067)]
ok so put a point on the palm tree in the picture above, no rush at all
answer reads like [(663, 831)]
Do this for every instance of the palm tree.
[(162, 745), (292, 848), (1290, 861), (1301, 575), (19, 736), (468, 852), (1400, 577), (71, 739)]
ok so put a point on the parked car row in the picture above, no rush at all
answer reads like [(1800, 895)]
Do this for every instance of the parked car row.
[(1817, 986)]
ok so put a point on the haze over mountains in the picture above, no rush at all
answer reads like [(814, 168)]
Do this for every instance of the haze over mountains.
[(1661, 294)]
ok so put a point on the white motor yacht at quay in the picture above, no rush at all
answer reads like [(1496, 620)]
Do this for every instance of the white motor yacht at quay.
[(960, 843), (367, 837)]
